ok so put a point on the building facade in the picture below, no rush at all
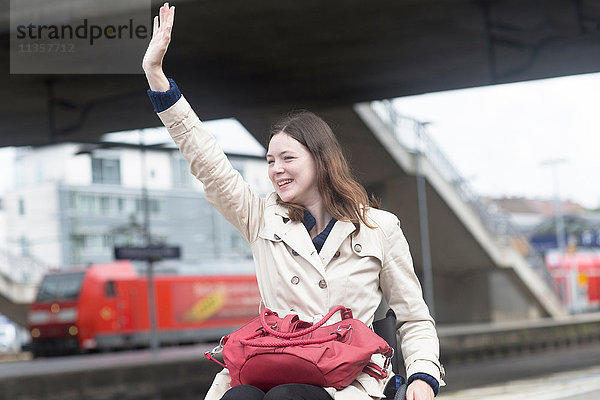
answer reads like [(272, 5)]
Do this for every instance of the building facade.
[(72, 204)]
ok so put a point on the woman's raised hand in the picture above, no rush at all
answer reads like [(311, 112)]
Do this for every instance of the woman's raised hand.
[(161, 37)]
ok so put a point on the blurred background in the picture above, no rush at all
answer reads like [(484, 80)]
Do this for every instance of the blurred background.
[(473, 121)]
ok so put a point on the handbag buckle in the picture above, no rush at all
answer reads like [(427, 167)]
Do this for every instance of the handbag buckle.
[(348, 328), (219, 348), (388, 358)]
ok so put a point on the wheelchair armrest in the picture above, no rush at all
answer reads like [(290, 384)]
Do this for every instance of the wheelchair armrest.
[(386, 329)]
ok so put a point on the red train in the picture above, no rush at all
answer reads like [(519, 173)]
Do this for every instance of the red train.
[(105, 307), (577, 278)]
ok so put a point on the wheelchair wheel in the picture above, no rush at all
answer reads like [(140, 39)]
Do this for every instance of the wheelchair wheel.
[(401, 392)]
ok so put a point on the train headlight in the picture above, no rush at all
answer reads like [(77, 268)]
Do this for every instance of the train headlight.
[(106, 313), (35, 332), (73, 330)]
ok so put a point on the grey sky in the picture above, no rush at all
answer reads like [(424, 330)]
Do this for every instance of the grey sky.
[(497, 136)]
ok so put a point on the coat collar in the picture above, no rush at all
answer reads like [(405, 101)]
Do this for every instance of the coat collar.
[(295, 235), (338, 234)]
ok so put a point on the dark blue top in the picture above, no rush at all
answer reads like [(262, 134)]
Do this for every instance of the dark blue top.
[(309, 222)]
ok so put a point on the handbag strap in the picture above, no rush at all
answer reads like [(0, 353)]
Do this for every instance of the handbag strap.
[(346, 313), (375, 371), (299, 342)]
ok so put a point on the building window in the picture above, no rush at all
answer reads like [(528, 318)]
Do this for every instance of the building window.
[(24, 246), (82, 241), (39, 174), (240, 246), (106, 170), (86, 204), (238, 165), (182, 177), (78, 241), (105, 205), (157, 206)]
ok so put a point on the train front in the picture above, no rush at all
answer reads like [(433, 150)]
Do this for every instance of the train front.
[(53, 317)]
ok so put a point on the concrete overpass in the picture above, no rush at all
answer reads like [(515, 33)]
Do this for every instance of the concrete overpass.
[(254, 61), (242, 58), (19, 278)]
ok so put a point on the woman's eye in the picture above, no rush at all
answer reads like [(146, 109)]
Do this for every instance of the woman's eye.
[(288, 158), (270, 161)]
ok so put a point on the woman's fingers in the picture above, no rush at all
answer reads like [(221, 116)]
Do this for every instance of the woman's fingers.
[(155, 26), (166, 16), (164, 22), (161, 37), (171, 17), (162, 13)]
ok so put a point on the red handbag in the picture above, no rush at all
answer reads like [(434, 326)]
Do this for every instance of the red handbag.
[(270, 351)]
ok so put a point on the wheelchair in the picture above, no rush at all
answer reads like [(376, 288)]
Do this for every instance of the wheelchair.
[(386, 328)]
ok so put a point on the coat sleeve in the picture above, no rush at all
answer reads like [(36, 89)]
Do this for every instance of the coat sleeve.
[(402, 291), (225, 188)]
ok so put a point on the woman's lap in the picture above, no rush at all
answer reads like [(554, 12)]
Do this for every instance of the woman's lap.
[(291, 391)]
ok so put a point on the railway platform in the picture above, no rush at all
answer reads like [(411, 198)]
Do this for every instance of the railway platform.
[(541, 360)]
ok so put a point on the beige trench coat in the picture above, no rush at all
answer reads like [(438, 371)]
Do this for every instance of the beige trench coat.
[(355, 270)]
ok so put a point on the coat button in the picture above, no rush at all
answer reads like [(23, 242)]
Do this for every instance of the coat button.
[(295, 280), (322, 284), (357, 248), (277, 237), (336, 255), (294, 252)]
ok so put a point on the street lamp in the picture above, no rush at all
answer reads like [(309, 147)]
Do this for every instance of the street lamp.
[(424, 220), (560, 230), (147, 240), (147, 243)]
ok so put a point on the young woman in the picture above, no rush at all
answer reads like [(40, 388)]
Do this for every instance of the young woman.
[(317, 240)]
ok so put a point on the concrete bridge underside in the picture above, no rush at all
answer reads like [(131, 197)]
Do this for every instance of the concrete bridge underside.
[(239, 58)]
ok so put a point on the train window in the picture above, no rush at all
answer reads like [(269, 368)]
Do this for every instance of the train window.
[(109, 289), (62, 286)]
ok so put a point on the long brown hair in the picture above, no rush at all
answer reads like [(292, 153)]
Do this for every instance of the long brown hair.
[(344, 198)]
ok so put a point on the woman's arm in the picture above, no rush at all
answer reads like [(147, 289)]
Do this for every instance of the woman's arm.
[(402, 291), (225, 188)]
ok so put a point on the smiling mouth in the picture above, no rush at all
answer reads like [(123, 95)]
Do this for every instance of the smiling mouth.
[(284, 182)]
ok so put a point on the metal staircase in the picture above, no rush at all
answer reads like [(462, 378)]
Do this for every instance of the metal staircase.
[(19, 278), (493, 230)]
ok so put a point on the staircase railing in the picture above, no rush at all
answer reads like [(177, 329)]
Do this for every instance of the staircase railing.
[(413, 136), (21, 270)]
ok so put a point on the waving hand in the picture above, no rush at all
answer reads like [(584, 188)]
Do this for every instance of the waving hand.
[(161, 37)]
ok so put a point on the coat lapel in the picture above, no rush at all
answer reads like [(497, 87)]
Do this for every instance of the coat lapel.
[(295, 235), (338, 234)]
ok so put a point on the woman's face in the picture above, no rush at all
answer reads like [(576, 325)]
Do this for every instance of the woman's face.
[(292, 171)]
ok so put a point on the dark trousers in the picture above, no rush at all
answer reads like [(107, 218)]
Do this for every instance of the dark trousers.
[(290, 391)]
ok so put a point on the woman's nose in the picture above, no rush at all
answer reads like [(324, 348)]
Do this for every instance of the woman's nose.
[(277, 167)]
